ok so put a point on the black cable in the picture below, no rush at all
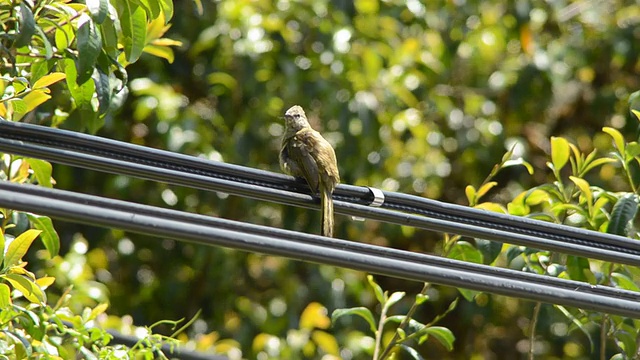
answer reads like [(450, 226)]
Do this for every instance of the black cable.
[(122, 158), (210, 231)]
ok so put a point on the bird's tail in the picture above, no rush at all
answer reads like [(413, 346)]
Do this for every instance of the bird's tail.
[(327, 211)]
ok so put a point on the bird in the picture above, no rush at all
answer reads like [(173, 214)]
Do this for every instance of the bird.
[(306, 154)]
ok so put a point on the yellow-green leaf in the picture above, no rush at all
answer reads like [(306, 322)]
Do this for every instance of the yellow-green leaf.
[(5, 296), (19, 247), (28, 288), (49, 79), (160, 51), (49, 236), (485, 188), (34, 99), (559, 152), (618, 140), (42, 171), (636, 113), (584, 188), (326, 342), (470, 191), (314, 316)]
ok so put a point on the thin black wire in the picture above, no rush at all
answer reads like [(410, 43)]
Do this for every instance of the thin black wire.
[(165, 223), (122, 158)]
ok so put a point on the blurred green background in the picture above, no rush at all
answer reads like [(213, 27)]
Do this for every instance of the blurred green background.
[(417, 97)]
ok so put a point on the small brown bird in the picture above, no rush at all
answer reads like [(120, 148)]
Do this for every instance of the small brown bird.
[(305, 153)]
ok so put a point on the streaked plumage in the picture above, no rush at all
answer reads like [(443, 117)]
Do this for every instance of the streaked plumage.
[(306, 154)]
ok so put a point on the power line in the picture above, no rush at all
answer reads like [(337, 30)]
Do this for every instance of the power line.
[(166, 223), (113, 156)]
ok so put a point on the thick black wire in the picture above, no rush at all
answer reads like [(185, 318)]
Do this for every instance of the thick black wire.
[(144, 169), (375, 259)]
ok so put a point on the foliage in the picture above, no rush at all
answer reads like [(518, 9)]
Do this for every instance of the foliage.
[(418, 97)]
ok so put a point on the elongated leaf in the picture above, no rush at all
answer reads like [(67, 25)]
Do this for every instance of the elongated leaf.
[(490, 249), (160, 51), (618, 140), (624, 211), (42, 171), (133, 21), (81, 93), (167, 9), (19, 247), (377, 290), (442, 334), (358, 311), (583, 185), (624, 282), (28, 288), (413, 354), (394, 298), (49, 79), (2, 245), (48, 49), (5, 296), (99, 9), (49, 235), (559, 152), (102, 89), (34, 99), (89, 46), (27, 26)]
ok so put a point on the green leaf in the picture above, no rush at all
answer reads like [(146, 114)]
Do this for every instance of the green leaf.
[(520, 161), (23, 349), (34, 99), (42, 171), (81, 93), (28, 288), (64, 36), (27, 26), (133, 21), (109, 38), (490, 249), (103, 90), (421, 299), (624, 211), (2, 245), (19, 246), (464, 251), (48, 50), (99, 10), (49, 236), (471, 194), (624, 282), (49, 79), (579, 269), (583, 185), (559, 152), (358, 311), (167, 9), (5, 296), (377, 290), (411, 351), (442, 334), (618, 140), (394, 298), (160, 51), (89, 46)]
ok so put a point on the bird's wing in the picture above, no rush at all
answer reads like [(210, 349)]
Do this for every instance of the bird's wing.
[(301, 149)]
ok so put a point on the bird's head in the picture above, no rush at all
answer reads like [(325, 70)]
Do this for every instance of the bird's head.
[(295, 118)]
